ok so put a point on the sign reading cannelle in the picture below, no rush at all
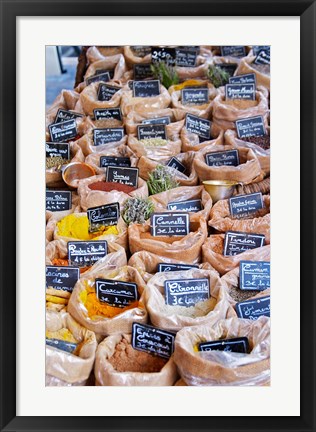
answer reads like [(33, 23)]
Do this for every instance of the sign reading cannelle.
[(170, 224)]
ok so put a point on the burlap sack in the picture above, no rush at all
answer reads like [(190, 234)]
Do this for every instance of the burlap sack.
[(231, 313), (224, 368), (246, 172), (87, 146), (180, 382), (89, 98), (93, 159), (174, 318), (114, 62), (191, 141), (66, 100), (173, 129), (186, 249), (146, 165), (70, 368), (132, 58), (245, 67), (106, 375), (93, 198), (257, 223), (204, 110), (212, 252), (139, 104), (263, 156), (96, 53), (121, 323), (225, 113), (52, 217), (163, 152), (262, 186), (197, 72)]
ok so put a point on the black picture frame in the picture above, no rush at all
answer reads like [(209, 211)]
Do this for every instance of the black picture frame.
[(9, 10)]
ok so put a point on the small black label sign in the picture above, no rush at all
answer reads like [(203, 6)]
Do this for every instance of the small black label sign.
[(105, 76), (146, 88), (141, 50), (103, 71), (85, 253), (142, 71), (107, 113), (162, 267), (106, 135), (105, 215), (229, 158), (106, 92), (263, 58), (186, 292), (243, 79), (194, 96), (58, 149), (128, 176), (58, 200), (188, 206), (251, 126), (257, 48), (151, 131), (244, 205), (198, 125), (240, 345), (233, 51), (186, 57), (106, 161), (116, 293), (240, 91), (64, 115), (158, 120), (254, 275), (62, 278), (253, 309), (170, 224), (176, 164), (62, 345), (229, 68), (167, 55), (153, 340), (238, 242), (63, 131)]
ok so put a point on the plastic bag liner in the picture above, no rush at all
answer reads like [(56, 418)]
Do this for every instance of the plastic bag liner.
[(146, 165), (87, 145), (106, 375), (93, 198), (131, 58), (226, 112), (121, 323), (247, 171), (257, 223), (204, 110), (157, 153), (183, 193), (93, 159), (191, 141), (263, 156), (173, 318), (60, 365), (224, 368), (141, 104), (212, 251), (245, 67), (66, 100)]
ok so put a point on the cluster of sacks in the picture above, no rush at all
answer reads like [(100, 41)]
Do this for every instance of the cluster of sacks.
[(133, 254)]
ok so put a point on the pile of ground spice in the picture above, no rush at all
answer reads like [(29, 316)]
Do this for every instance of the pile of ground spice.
[(77, 226), (108, 123), (239, 295), (127, 359), (110, 186), (261, 141), (60, 262), (241, 103)]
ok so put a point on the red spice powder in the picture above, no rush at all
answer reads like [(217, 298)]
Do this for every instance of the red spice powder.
[(110, 186)]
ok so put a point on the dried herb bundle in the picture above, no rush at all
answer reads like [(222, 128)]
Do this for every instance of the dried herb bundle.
[(166, 74), (217, 76), (161, 179), (137, 210)]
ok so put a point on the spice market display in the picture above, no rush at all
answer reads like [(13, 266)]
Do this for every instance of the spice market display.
[(158, 219)]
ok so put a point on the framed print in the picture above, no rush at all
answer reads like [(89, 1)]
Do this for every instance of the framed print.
[(164, 205)]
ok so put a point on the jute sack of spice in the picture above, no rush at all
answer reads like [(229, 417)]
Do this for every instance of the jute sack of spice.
[(86, 143), (231, 313), (96, 53), (247, 66), (186, 249), (219, 368), (94, 159), (157, 149), (173, 318), (64, 368), (130, 103), (191, 141), (119, 364), (65, 100), (247, 171), (203, 110), (53, 217), (101, 317), (89, 98), (196, 72), (173, 129), (117, 192), (257, 223), (131, 57), (212, 252)]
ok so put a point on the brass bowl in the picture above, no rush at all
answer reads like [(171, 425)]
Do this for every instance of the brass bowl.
[(220, 189), (75, 171)]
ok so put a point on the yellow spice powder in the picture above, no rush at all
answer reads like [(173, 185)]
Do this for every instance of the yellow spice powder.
[(61, 334), (77, 226)]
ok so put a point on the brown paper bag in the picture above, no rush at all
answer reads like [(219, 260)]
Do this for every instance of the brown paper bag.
[(131, 57), (246, 66), (87, 146), (52, 217), (163, 152), (93, 159), (139, 104), (191, 141), (204, 110), (173, 129), (115, 62), (66, 100), (89, 98)]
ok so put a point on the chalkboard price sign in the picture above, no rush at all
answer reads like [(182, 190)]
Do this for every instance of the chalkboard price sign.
[(106, 92), (238, 242), (192, 96), (240, 345), (162, 267), (186, 56), (146, 88), (128, 176), (198, 125), (243, 79), (58, 149), (153, 340), (176, 164), (257, 48), (63, 131), (151, 131), (105, 76), (58, 200), (188, 206), (253, 309), (158, 120), (240, 91), (103, 71), (263, 58), (251, 126), (186, 292), (64, 115), (106, 135), (62, 278), (141, 50), (244, 205), (62, 345), (229, 158), (170, 224), (106, 161), (254, 275), (167, 55), (107, 113), (116, 293), (86, 253), (142, 71), (233, 51), (102, 216)]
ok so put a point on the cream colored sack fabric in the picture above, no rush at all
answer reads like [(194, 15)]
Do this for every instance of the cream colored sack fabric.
[(89, 98), (87, 146), (204, 110), (93, 159), (245, 67), (191, 141), (173, 129), (131, 57), (139, 104)]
